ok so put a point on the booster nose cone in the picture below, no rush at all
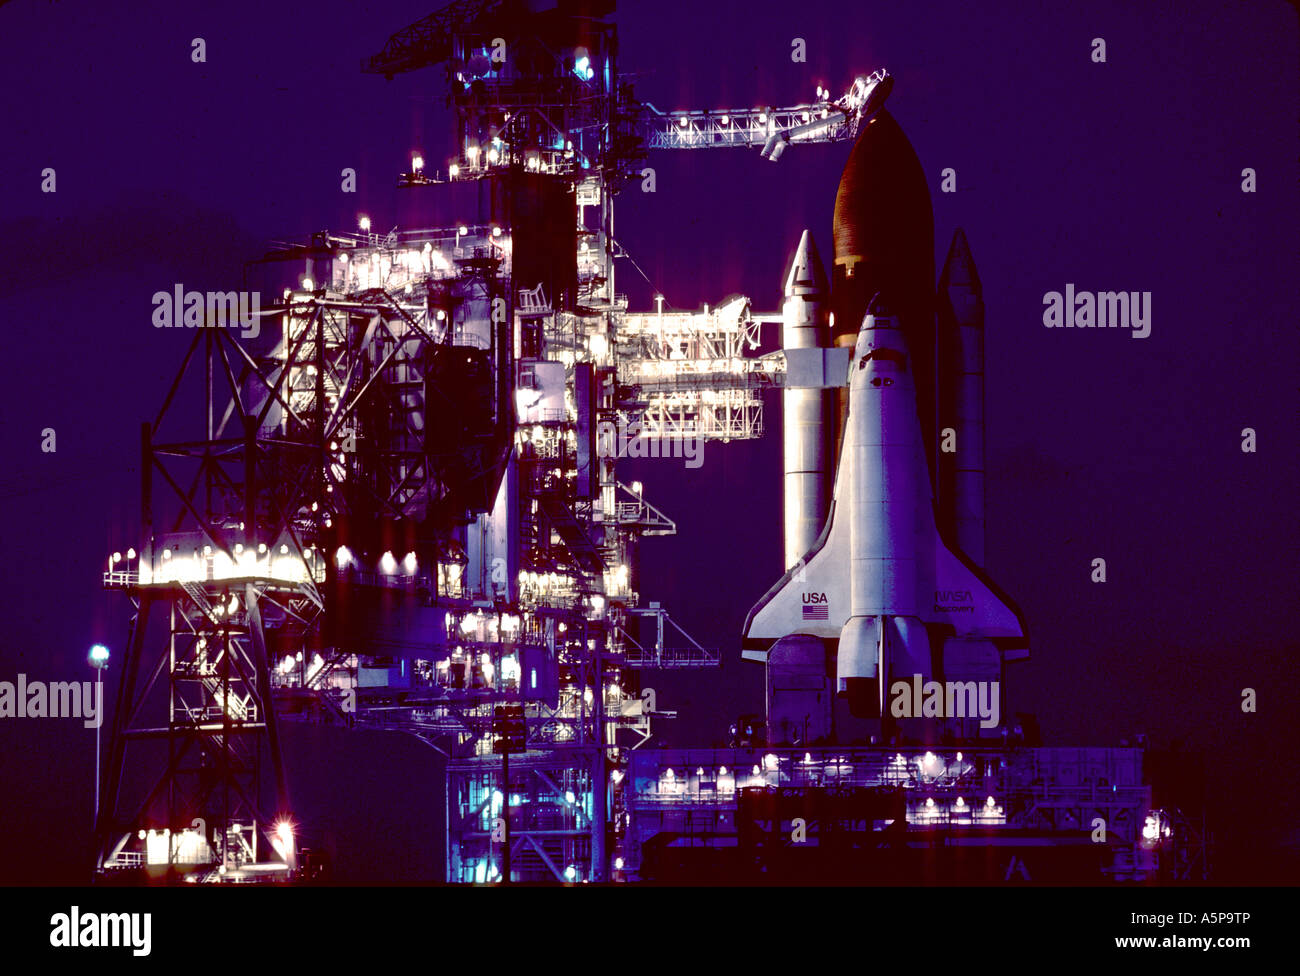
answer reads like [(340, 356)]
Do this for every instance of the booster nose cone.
[(959, 268), (807, 275)]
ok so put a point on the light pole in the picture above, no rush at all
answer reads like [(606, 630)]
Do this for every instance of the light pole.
[(99, 661)]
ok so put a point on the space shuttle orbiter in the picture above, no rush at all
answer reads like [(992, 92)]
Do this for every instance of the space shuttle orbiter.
[(880, 580)]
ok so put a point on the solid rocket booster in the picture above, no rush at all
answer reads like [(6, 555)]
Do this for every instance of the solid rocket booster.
[(805, 412), (961, 338)]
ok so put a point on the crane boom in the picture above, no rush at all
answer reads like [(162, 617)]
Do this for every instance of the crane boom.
[(773, 129)]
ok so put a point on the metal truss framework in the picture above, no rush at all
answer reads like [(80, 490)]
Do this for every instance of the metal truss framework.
[(333, 427)]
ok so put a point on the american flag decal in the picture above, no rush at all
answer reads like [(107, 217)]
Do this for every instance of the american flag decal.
[(816, 611)]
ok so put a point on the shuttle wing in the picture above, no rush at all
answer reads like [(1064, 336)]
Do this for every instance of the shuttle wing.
[(812, 598), (965, 601)]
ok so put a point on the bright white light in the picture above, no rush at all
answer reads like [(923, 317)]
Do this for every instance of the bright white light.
[(417, 163), (462, 230), (990, 803), (496, 231), (308, 284), (598, 344), (409, 564), (117, 558), (282, 842), (570, 872), (364, 221), (454, 170), (130, 554), (725, 120), (681, 120), (99, 655), (342, 556), (618, 864), (388, 564)]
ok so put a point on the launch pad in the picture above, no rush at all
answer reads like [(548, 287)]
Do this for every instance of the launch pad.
[(401, 508)]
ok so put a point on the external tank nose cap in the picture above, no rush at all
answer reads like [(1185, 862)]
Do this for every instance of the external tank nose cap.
[(882, 207)]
